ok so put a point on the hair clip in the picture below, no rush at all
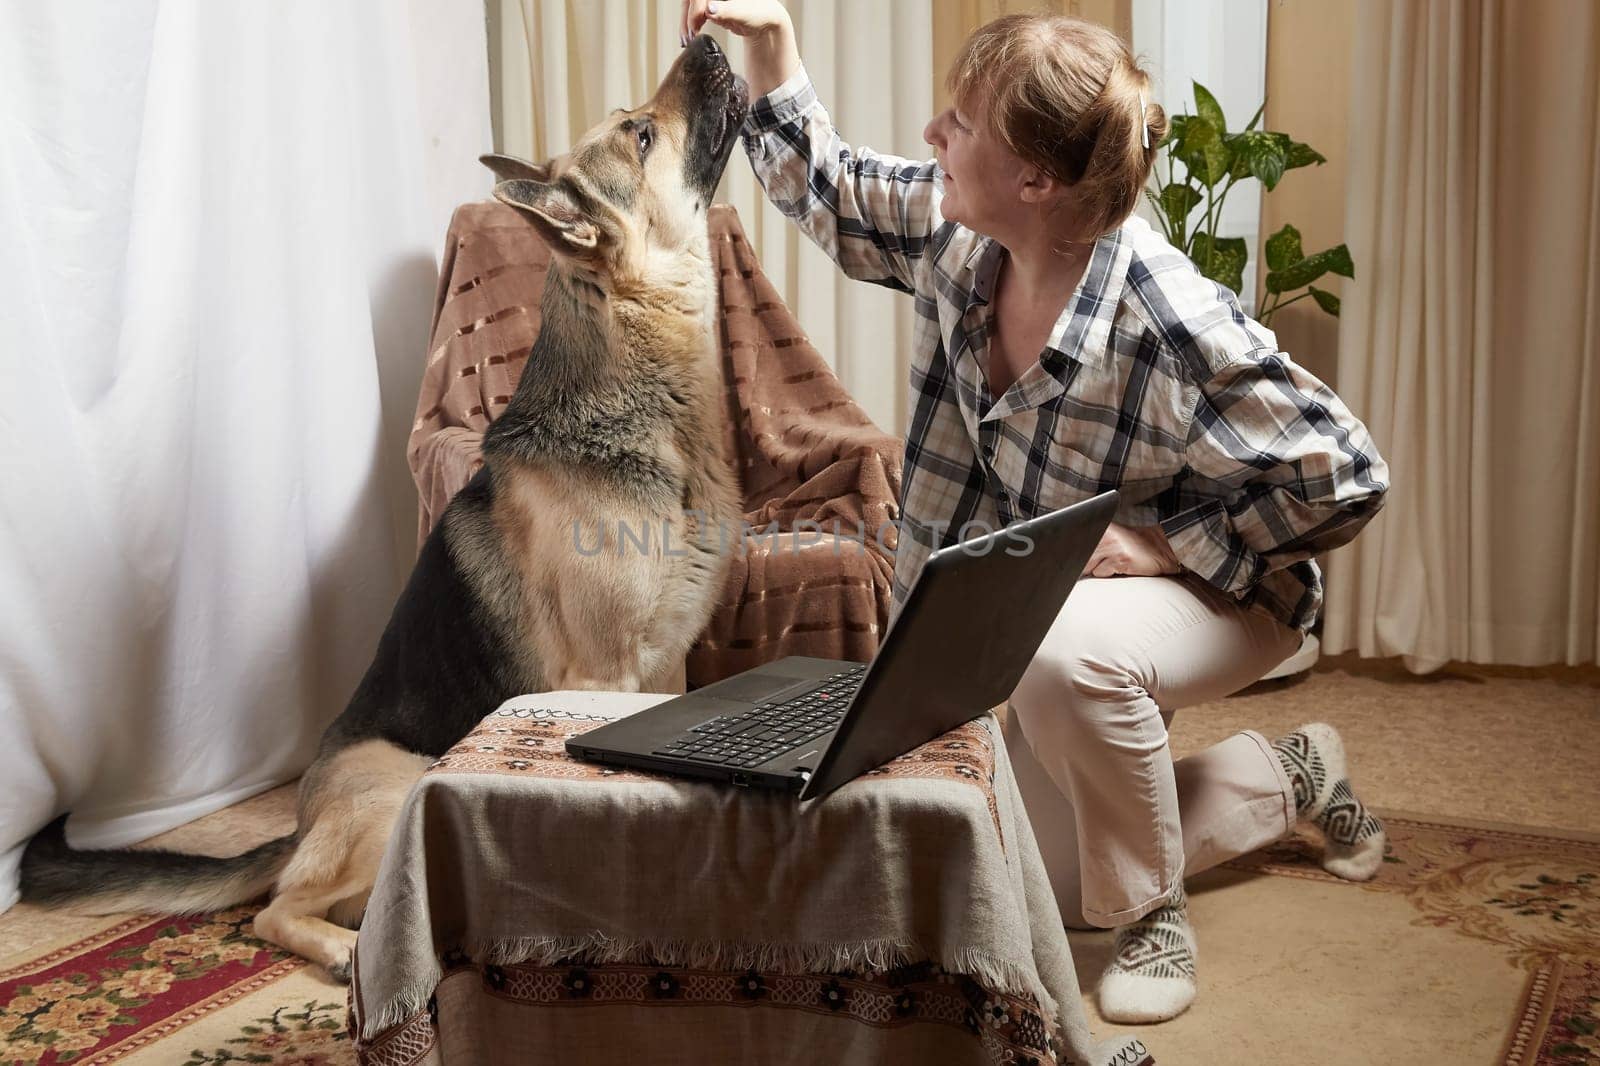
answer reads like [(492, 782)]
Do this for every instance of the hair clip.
[(1144, 127)]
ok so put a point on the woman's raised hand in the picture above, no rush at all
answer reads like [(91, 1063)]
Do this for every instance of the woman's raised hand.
[(771, 55), (746, 18)]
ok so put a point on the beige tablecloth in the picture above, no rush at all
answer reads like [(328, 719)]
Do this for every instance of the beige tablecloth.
[(535, 908)]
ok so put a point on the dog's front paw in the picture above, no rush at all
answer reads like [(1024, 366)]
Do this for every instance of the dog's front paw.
[(340, 969)]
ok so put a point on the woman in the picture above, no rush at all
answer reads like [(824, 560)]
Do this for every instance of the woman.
[(1062, 349)]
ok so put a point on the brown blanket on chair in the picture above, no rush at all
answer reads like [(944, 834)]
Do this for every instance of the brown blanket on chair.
[(803, 450)]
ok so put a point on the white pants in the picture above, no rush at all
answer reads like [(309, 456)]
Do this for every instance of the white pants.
[(1119, 824)]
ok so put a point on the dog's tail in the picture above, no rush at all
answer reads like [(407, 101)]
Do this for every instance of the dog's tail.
[(156, 882)]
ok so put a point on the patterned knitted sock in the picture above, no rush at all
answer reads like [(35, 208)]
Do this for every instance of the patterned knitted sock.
[(1353, 838), (1151, 978)]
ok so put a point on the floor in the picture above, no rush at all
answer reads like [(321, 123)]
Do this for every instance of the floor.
[(1289, 967)]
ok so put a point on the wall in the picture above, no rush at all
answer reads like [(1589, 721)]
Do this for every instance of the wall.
[(1309, 50)]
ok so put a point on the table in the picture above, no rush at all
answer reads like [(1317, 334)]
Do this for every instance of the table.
[(531, 907)]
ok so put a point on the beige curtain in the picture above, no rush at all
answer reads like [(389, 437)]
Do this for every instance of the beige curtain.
[(1471, 339), (558, 66)]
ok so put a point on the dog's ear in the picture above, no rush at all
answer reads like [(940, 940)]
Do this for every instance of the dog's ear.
[(553, 212), (508, 167)]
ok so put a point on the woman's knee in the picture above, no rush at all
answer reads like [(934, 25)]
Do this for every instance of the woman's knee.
[(1077, 693), (1087, 673)]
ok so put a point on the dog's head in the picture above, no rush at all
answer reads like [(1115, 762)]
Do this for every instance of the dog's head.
[(640, 182)]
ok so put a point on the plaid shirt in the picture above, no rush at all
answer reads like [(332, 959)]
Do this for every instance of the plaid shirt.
[(1153, 382)]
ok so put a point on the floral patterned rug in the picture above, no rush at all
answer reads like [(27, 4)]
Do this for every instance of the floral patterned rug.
[(189, 990), (1533, 893), (203, 991)]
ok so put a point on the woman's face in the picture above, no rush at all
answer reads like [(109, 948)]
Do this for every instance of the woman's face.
[(982, 178)]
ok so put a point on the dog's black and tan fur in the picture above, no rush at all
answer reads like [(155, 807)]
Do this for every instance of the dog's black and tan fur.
[(616, 423)]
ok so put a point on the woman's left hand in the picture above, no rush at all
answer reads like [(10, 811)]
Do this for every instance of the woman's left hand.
[(1141, 552)]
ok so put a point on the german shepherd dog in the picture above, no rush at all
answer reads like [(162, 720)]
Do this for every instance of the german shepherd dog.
[(615, 424)]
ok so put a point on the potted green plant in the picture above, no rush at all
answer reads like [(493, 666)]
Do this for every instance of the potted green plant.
[(1213, 161)]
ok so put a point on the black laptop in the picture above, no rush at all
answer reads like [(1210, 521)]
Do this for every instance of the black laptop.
[(969, 627)]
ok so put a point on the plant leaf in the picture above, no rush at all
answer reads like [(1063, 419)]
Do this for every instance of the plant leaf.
[(1302, 155), (1260, 154), (1218, 161), (1227, 256), (1197, 133), (1176, 125), (1206, 107), (1262, 110), (1178, 199), (1326, 300), (1204, 153), (1340, 261), (1309, 269), (1283, 249)]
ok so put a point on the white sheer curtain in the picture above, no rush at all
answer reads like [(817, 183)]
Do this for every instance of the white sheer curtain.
[(1471, 336), (220, 225), (562, 65)]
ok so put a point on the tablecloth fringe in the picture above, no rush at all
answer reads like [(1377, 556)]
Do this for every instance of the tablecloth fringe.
[(790, 958)]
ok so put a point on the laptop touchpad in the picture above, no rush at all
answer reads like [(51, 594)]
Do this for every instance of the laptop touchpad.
[(752, 687)]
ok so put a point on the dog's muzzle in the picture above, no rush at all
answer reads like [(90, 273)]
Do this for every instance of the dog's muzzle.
[(721, 88)]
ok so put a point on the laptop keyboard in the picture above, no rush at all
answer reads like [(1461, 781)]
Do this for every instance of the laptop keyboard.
[(768, 730)]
